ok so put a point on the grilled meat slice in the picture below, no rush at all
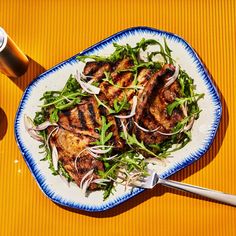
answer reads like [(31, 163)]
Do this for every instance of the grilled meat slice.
[(91, 67), (69, 146), (116, 141), (151, 108), (142, 79), (120, 78), (96, 69), (123, 79), (152, 88), (123, 64), (83, 119), (112, 92), (159, 104)]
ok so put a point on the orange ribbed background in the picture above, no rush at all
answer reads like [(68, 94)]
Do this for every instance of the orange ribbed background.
[(50, 31)]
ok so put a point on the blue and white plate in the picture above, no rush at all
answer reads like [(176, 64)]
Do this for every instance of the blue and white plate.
[(203, 131)]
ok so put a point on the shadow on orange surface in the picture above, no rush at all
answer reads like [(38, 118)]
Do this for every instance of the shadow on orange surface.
[(34, 70), (3, 124), (179, 176)]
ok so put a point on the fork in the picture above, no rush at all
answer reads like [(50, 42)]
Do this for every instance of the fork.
[(153, 179)]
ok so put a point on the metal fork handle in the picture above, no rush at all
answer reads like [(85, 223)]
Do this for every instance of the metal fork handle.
[(208, 193)]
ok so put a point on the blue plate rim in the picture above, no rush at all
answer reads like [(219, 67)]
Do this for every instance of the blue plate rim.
[(189, 160)]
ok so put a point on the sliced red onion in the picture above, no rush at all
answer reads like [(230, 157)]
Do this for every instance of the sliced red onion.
[(44, 125), (82, 182), (173, 77), (50, 134), (87, 76), (132, 178), (35, 135), (124, 128), (100, 149), (111, 157), (67, 99), (54, 157), (189, 125), (184, 109), (172, 133), (125, 131), (75, 162), (86, 185), (101, 181), (64, 180), (93, 154), (156, 130), (29, 126), (145, 130), (87, 87), (132, 113), (116, 180), (155, 161), (134, 87)]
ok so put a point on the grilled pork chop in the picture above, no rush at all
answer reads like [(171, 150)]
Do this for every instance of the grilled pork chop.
[(152, 105), (121, 77), (69, 147)]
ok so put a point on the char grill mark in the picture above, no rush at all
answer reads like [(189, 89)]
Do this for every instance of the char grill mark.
[(151, 108), (92, 115), (66, 113), (99, 74), (112, 92), (83, 119), (123, 64), (116, 140), (91, 67), (142, 79), (122, 79), (96, 69)]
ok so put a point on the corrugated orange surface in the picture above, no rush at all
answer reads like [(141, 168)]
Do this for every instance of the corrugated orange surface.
[(50, 31)]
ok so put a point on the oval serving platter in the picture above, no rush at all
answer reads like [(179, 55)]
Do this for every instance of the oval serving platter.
[(203, 131)]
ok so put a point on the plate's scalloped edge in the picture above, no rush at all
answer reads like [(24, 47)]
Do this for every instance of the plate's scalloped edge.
[(189, 160)]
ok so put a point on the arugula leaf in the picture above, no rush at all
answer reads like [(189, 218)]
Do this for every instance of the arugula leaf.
[(149, 64), (168, 51), (63, 172), (100, 103), (40, 117), (129, 162), (54, 116), (108, 190), (122, 51), (121, 105), (180, 101), (132, 140), (94, 57), (104, 135), (110, 81), (144, 43), (108, 78)]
